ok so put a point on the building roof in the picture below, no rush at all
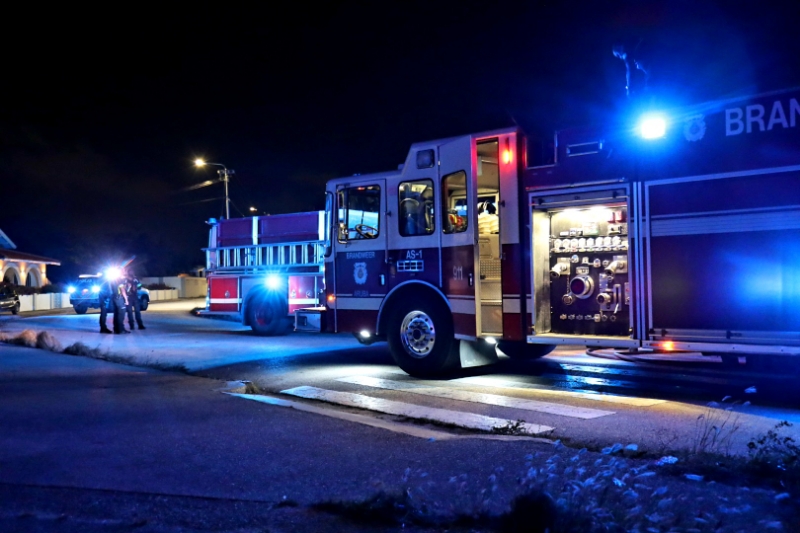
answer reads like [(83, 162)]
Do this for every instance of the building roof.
[(13, 255)]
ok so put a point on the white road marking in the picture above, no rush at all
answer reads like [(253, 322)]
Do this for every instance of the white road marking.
[(397, 427), (446, 416), (479, 397), (585, 395)]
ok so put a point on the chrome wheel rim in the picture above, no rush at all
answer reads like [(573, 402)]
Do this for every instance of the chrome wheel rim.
[(418, 334)]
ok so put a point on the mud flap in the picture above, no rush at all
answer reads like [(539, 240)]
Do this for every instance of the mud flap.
[(475, 353)]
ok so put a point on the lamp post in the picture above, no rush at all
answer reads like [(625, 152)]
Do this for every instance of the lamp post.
[(224, 176)]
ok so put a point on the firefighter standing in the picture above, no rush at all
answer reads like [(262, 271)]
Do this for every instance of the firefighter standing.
[(106, 304), (134, 308)]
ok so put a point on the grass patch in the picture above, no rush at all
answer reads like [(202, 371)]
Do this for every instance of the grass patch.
[(43, 340), (252, 388), (562, 490), (82, 349), (31, 339)]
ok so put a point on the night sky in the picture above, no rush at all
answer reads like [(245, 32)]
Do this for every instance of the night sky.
[(104, 111)]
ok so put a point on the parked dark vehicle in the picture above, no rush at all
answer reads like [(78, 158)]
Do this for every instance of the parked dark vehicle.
[(85, 294), (9, 300)]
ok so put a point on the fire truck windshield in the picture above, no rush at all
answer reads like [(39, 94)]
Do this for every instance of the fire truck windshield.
[(359, 209)]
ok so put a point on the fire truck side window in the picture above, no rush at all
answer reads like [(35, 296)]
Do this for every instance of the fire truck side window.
[(454, 198), (359, 210), (415, 205)]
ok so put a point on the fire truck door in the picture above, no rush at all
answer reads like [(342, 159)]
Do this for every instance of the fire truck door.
[(459, 233), (361, 270)]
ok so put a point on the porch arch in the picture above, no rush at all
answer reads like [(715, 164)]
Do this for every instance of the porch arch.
[(33, 278), (11, 275)]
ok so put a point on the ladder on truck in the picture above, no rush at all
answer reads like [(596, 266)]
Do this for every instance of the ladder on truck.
[(293, 257)]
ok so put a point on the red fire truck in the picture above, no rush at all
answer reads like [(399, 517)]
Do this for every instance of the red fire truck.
[(262, 269), (681, 235)]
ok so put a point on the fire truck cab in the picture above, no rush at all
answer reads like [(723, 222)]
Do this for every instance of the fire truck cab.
[(429, 257)]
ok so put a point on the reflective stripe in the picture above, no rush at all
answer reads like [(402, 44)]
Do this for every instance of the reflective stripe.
[(445, 416), (302, 301), (511, 306), (358, 304), (478, 397), (726, 223), (225, 300), (464, 307)]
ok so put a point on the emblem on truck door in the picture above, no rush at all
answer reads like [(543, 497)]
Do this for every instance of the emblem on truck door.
[(360, 273), (695, 128)]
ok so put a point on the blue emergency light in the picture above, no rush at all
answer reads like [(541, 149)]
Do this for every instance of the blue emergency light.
[(652, 127)]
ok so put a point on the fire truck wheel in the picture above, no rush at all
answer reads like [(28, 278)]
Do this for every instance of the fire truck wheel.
[(80, 309), (420, 337), (523, 350), (267, 314)]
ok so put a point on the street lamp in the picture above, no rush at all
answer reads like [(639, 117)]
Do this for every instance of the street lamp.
[(224, 176)]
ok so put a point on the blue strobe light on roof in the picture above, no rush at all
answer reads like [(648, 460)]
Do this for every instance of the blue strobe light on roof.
[(652, 127)]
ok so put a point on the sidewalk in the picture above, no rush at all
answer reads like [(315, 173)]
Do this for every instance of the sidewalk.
[(175, 338)]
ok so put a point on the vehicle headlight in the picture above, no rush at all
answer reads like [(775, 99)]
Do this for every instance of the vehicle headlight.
[(71, 289), (95, 288)]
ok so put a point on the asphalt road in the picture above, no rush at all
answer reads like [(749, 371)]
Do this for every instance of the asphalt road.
[(586, 400), (90, 445)]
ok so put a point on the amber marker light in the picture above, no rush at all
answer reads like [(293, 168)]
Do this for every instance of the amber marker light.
[(668, 346)]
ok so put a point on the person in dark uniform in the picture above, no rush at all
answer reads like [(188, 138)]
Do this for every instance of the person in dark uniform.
[(132, 286), (120, 304), (106, 304)]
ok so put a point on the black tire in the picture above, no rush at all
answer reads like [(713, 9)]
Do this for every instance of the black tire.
[(268, 314), (522, 350), (80, 309), (420, 336), (144, 303), (15, 309)]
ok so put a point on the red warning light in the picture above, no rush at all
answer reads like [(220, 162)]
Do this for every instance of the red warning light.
[(508, 155)]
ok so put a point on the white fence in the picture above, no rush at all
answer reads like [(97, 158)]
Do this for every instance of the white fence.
[(38, 302), (171, 294), (187, 286), (43, 302)]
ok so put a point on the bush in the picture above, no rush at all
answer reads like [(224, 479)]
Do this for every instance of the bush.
[(21, 290), (24, 290), (53, 288)]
